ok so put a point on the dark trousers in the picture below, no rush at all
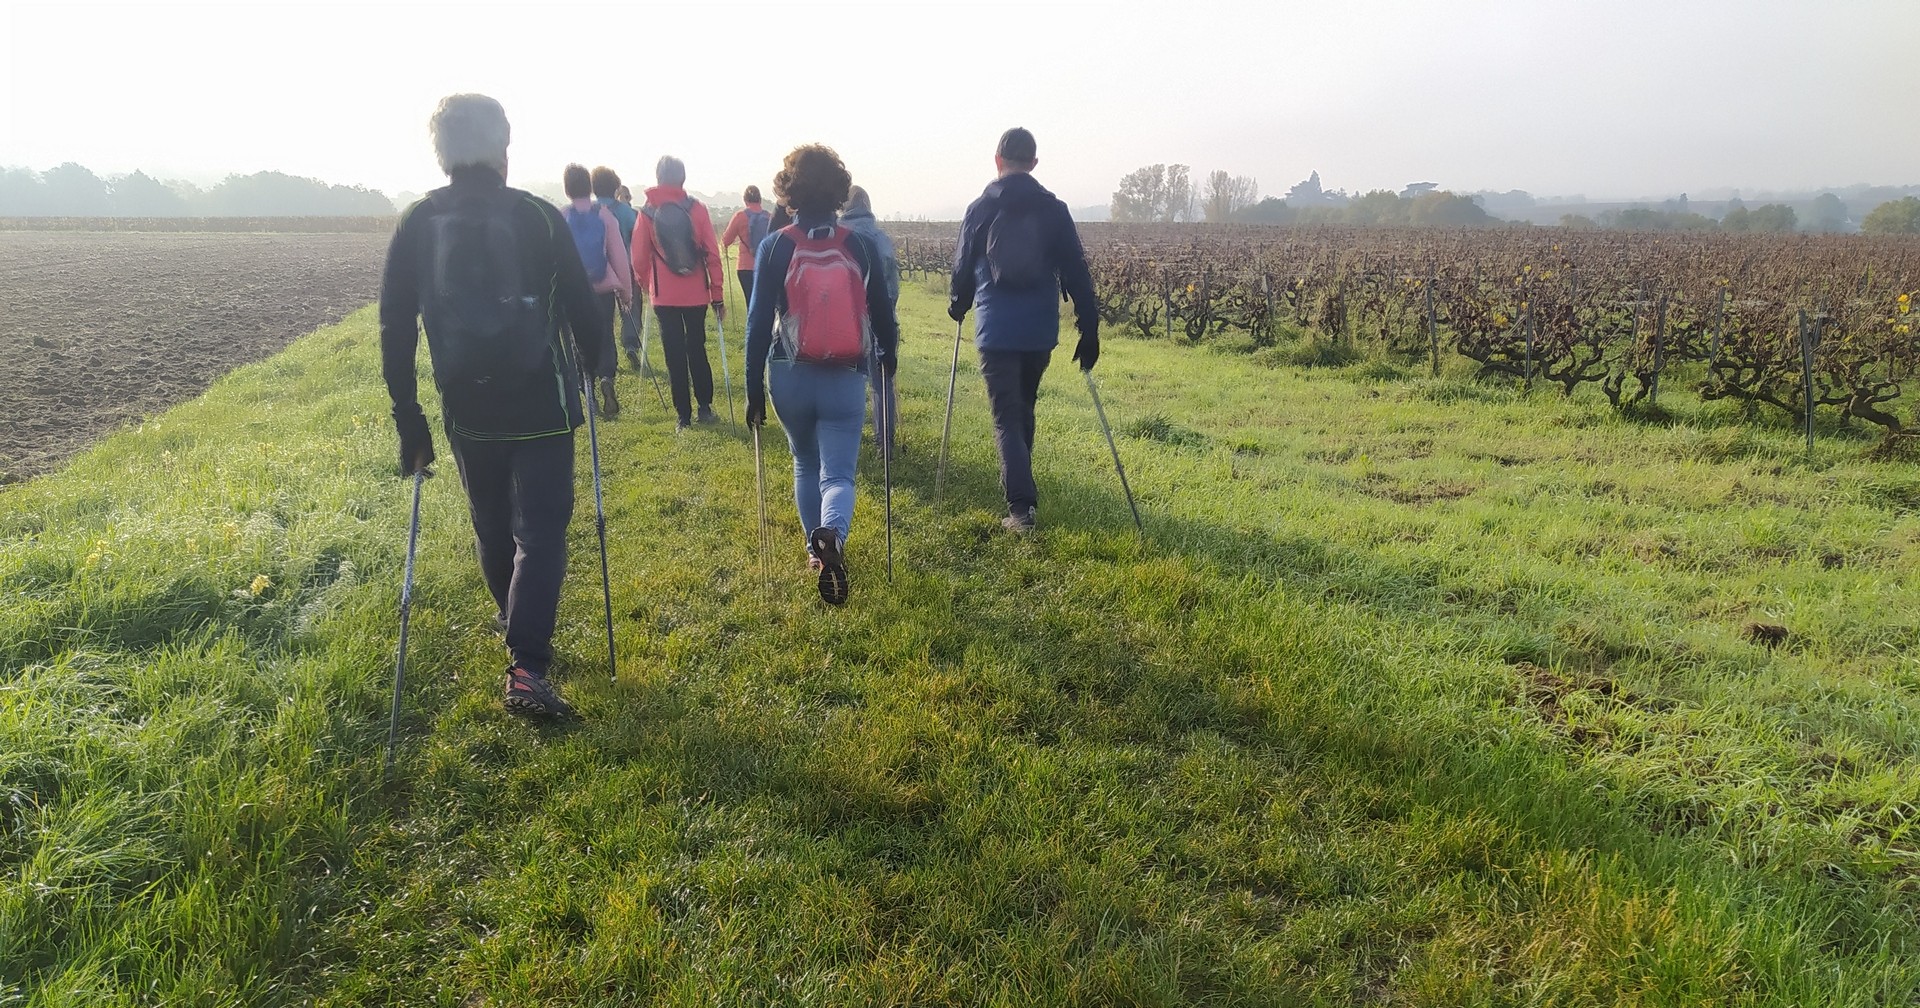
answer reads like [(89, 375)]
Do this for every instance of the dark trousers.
[(1013, 385), (629, 332), (746, 285), (683, 337), (602, 334), (521, 497)]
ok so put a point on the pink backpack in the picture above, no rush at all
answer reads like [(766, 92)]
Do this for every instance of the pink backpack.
[(825, 316)]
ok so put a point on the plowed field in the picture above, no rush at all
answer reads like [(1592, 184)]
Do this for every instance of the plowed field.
[(103, 328)]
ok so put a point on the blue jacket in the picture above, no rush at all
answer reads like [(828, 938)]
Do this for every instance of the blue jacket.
[(624, 215), (1021, 319), (770, 294), (861, 222)]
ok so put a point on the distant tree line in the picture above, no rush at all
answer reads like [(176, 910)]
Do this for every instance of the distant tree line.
[(1162, 193), (72, 190)]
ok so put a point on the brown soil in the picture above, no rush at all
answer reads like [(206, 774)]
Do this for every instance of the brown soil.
[(103, 328)]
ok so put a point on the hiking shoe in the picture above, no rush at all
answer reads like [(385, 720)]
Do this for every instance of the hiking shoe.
[(707, 415), (834, 583), (1021, 520), (681, 424), (633, 360), (609, 403), (530, 695)]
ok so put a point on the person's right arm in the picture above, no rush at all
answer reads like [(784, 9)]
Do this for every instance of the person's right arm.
[(736, 230), (640, 256), (960, 287), (400, 343), (773, 256)]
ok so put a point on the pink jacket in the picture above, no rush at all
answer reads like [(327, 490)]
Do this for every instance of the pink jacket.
[(739, 232), (702, 286), (619, 271)]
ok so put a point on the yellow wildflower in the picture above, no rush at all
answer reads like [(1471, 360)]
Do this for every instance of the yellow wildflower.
[(260, 584)]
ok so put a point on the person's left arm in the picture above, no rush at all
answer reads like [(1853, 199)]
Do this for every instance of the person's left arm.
[(1076, 281), (886, 325), (716, 270)]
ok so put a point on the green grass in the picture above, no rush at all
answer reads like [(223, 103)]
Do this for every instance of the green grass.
[(1419, 692)]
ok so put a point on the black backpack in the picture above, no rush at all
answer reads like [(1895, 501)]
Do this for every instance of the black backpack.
[(489, 331), (1017, 249), (673, 235)]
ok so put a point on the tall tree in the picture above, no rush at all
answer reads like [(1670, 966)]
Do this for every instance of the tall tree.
[(73, 191), (1228, 194), (1901, 216), (140, 195), (1142, 196), (1181, 203)]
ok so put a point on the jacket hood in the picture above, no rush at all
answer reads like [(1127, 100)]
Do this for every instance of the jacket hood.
[(857, 213), (661, 195)]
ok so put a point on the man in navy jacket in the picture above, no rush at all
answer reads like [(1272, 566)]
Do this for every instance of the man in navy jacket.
[(1018, 253)]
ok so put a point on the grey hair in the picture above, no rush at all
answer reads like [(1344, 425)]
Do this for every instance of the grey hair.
[(469, 130), (670, 171)]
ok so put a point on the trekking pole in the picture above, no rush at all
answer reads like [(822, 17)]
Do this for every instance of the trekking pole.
[(634, 318), (760, 492), (726, 376), (600, 524), (946, 426), (886, 458), (406, 610), (1117, 467)]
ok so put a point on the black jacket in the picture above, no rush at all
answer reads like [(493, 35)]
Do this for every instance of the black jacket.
[(547, 400)]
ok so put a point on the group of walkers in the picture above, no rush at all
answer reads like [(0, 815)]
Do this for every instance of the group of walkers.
[(520, 301)]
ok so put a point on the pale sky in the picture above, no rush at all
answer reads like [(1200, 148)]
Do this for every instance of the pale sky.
[(1609, 98)]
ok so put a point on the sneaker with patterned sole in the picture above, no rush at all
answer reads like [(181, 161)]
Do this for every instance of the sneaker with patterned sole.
[(835, 585), (530, 695), (1021, 520)]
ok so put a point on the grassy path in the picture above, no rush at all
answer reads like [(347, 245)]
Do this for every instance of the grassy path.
[(1419, 692)]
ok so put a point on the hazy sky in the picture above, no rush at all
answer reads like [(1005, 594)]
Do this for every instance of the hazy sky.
[(1621, 98)]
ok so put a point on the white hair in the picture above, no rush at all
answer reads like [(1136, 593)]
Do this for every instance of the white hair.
[(670, 171), (469, 130)]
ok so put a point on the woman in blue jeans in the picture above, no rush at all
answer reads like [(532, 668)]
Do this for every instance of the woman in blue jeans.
[(818, 322)]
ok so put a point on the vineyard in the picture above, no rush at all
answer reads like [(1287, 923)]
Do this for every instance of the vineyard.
[(1805, 326)]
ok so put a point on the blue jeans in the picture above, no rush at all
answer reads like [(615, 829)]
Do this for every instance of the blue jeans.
[(822, 407)]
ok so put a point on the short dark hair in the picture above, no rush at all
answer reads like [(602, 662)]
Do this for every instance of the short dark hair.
[(605, 181), (813, 180), (1017, 147), (752, 195), (577, 182)]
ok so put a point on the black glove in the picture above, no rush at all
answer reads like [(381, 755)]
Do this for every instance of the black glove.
[(756, 406), (1087, 351), (416, 440), (956, 310)]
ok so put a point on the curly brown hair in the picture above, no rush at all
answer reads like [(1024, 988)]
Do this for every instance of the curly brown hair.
[(812, 180)]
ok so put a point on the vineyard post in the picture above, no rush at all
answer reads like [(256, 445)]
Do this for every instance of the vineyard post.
[(1166, 298), (1806, 374), (1659, 349), (1266, 288), (1433, 325), (1633, 338), (1719, 328), (1526, 329)]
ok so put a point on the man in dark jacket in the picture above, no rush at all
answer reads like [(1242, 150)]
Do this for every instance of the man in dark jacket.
[(1018, 253), (493, 273)]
